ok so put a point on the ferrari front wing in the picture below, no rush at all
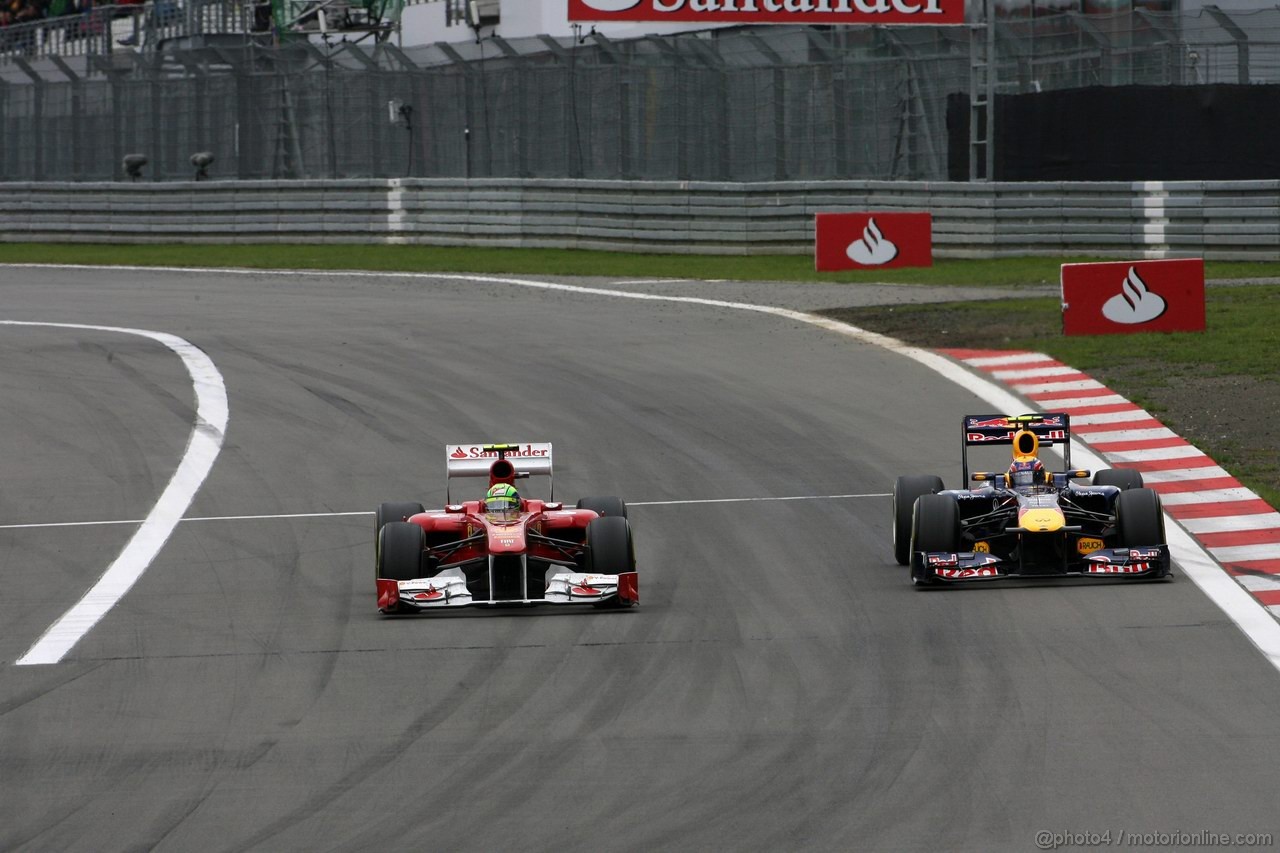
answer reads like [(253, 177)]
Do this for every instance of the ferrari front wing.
[(448, 589)]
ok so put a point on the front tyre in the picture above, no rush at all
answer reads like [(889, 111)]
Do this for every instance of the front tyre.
[(1139, 520), (400, 549), (609, 551), (391, 511), (905, 492), (935, 527)]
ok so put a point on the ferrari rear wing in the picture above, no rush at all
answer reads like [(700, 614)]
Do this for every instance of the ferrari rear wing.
[(475, 460), (1050, 428)]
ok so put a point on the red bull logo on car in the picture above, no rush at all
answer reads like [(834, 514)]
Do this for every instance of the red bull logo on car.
[(1050, 435), (961, 574)]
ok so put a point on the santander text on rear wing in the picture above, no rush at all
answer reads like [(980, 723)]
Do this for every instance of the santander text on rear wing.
[(476, 460)]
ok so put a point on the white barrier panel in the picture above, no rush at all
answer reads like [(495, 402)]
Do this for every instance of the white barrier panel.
[(1217, 220)]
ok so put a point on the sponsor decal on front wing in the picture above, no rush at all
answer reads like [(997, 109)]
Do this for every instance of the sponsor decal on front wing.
[(962, 566), (447, 589), (1117, 568), (575, 586)]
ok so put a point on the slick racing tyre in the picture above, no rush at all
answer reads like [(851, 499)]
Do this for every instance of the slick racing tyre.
[(1139, 519), (1125, 478), (610, 550), (936, 527), (400, 547), (606, 506), (394, 511), (905, 492)]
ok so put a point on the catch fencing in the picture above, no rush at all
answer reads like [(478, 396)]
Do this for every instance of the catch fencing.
[(1237, 220), (735, 105)]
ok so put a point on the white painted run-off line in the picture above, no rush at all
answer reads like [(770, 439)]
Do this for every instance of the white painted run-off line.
[(202, 449)]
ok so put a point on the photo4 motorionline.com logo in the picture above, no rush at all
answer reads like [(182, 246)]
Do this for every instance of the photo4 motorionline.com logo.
[(1046, 840)]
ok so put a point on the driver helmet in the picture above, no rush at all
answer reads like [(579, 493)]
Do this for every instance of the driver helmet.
[(503, 498), (1026, 472)]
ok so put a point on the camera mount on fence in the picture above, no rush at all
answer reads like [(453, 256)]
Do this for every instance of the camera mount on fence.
[(202, 160), (133, 164)]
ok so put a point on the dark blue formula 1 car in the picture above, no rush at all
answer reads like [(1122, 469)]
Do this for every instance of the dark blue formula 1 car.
[(1027, 521)]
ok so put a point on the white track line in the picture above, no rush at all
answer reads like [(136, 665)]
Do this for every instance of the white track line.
[(1185, 451), (1014, 358), (1034, 372), (1061, 387), (1134, 414), (756, 500), (1185, 475), (202, 449), (1250, 616), (292, 515), (1232, 523), (1069, 403)]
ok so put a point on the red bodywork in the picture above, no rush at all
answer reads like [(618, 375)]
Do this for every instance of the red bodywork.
[(467, 519), (542, 530)]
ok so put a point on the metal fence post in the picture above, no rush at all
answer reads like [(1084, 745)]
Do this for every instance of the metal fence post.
[(37, 116), (1239, 36)]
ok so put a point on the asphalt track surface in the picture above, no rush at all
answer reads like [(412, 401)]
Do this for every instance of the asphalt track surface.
[(781, 687)]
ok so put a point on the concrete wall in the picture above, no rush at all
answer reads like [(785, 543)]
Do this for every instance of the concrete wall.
[(1219, 220)]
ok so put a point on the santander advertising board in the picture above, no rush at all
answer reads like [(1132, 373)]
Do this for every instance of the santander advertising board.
[(772, 11)]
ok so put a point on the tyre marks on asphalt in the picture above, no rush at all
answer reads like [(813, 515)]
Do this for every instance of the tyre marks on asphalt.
[(1238, 529)]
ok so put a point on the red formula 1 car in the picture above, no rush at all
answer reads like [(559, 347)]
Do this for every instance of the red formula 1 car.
[(508, 550)]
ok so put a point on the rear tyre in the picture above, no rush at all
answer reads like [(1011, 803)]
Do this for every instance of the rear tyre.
[(605, 506), (1124, 478), (1139, 519), (610, 550), (905, 492), (400, 549), (936, 527)]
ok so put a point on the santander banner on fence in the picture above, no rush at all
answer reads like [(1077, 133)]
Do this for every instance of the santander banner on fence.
[(771, 11)]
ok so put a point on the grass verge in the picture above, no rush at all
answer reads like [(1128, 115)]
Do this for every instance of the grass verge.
[(1003, 272)]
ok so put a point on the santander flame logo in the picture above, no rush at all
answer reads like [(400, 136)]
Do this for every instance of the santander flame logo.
[(1134, 303), (873, 249), (610, 5)]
